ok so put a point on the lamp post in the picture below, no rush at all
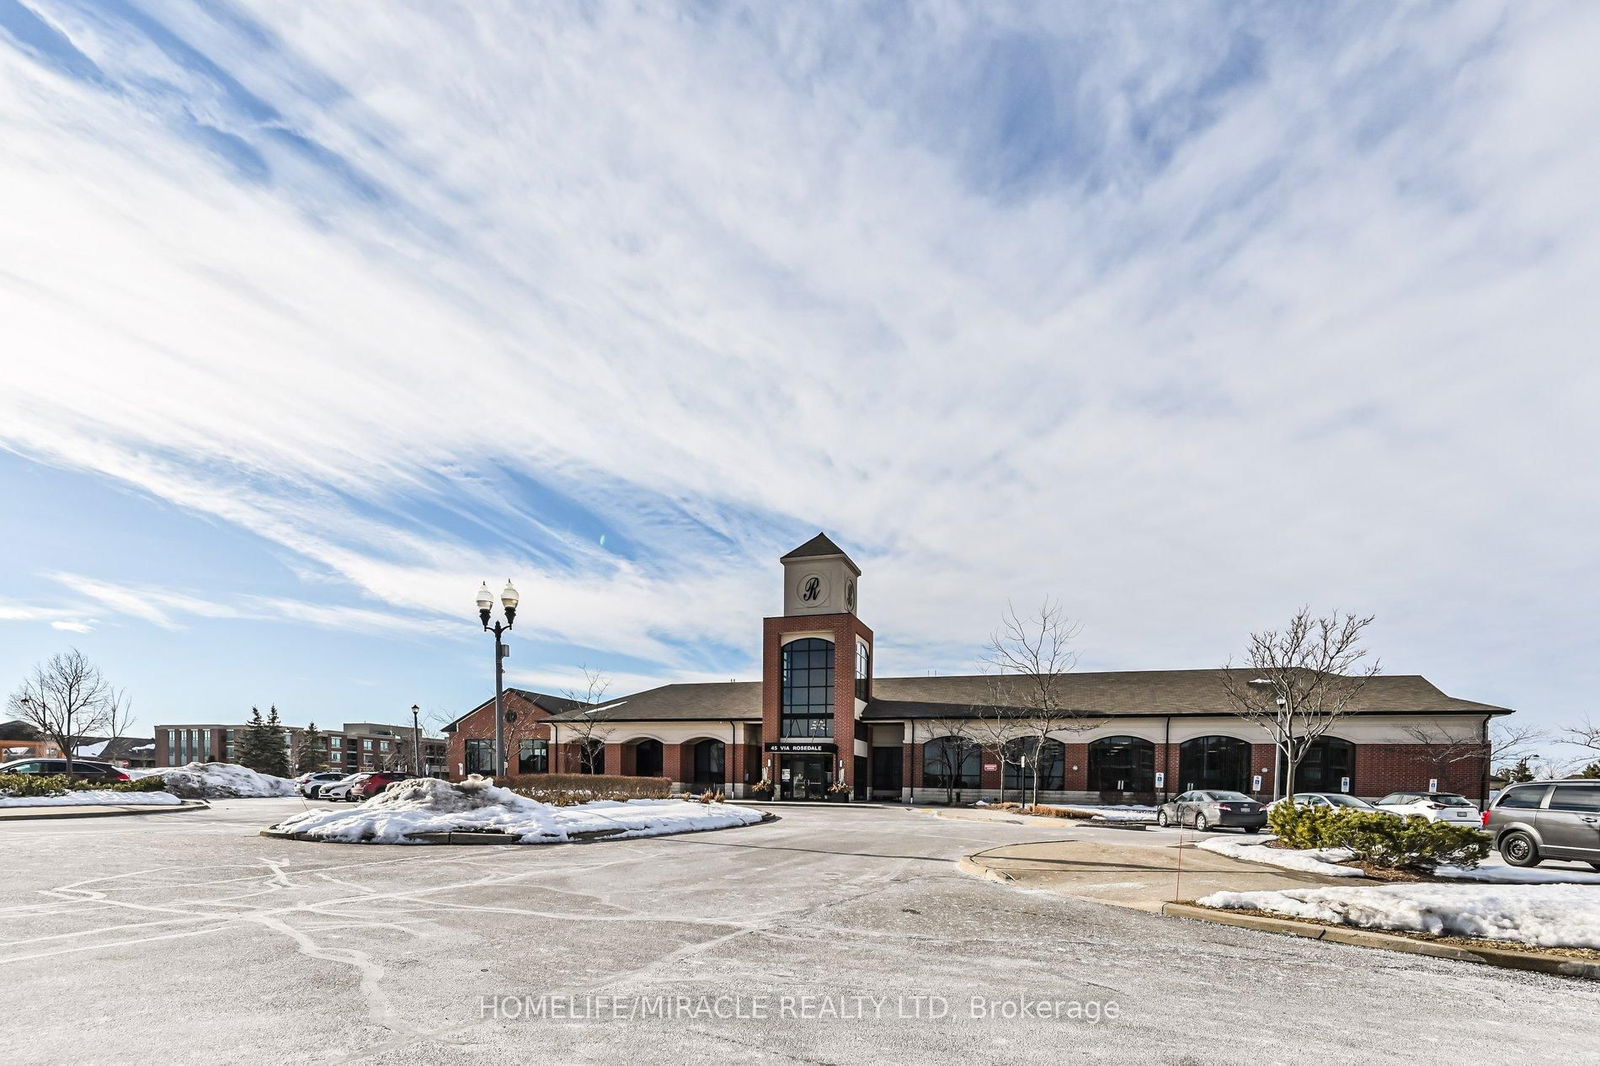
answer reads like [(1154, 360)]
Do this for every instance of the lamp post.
[(508, 600), (416, 738)]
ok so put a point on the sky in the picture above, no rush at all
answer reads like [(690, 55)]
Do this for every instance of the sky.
[(314, 316)]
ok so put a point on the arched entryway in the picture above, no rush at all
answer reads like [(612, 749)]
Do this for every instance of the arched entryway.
[(1122, 764), (1329, 764), (647, 758), (951, 763), (592, 756), (1214, 762), (709, 763)]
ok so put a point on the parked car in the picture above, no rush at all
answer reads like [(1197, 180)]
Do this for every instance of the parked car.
[(1326, 799), (88, 769), (334, 791), (310, 784), (372, 784), (1213, 809), (1547, 820), (1434, 806)]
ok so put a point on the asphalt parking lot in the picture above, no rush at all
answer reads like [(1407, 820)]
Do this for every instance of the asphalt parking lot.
[(826, 937)]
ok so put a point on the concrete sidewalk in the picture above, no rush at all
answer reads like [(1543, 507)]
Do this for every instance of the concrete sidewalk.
[(95, 810), (1142, 876)]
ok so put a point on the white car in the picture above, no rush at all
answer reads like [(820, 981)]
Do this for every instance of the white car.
[(1326, 799), (1434, 806), (311, 784), (340, 789)]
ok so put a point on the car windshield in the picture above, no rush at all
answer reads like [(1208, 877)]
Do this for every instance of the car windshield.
[(1339, 800), (1233, 796), (1450, 799)]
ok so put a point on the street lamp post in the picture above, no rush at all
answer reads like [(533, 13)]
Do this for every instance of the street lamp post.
[(416, 738), (508, 600)]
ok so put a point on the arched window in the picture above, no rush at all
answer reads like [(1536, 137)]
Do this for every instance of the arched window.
[(807, 708), (1051, 758), (1214, 762), (1122, 764), (647, 758), (951, 762), (708, 762), (1328, 760)]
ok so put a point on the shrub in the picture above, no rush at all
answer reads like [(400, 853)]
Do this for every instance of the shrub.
[(1049, 812), (1380, 840), (1301, 827), (591, 786), (153, 783), (34, 784), (1412, 843)]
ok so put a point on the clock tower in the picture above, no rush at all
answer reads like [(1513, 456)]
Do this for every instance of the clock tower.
[(816, 677)]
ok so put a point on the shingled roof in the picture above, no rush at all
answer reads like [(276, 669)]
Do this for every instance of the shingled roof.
[(1111, 693)]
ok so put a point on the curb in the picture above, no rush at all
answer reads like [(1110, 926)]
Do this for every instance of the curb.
[(587, 836), (64, 812), (780, 804), (976, 869), (1537, 962)]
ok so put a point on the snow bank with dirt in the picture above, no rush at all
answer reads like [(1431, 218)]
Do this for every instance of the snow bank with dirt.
[(94, 798), (1537, 915), (1323, 862), (424, 805), (218, 780)]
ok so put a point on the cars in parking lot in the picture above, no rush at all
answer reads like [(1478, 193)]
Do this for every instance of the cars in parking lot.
[(1547, 820), (1326, 799), (372, 784), (1213, 809), (1434, 806), (334, 791), (87, 769), (310, 784)]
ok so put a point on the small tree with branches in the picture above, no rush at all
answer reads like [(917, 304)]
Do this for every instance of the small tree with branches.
[(1298, 681), (589, 731), (66, 698), (946, 760), (1027, 702), (1502, 744)]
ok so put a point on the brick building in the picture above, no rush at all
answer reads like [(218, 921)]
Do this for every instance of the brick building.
[(359, 746), (819, 719)]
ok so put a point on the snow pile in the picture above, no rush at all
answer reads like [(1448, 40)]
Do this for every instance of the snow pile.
[(1323, 862), (1538, 915), (94, 798), (425, 805), (218, 780), (1519, 875)]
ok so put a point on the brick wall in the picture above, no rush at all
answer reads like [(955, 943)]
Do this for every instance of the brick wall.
[(842, 629), (479, 725)]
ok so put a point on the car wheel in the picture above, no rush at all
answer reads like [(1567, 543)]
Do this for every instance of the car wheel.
[(1161, 819), (1200, 823), (1518, 849), (1252, 829)]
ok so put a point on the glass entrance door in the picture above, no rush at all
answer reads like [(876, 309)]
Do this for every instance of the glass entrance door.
[(806, 777)]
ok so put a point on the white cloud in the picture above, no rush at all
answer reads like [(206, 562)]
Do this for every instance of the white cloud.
[(72, 627), (1317, 338)]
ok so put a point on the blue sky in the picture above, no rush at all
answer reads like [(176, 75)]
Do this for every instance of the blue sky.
[(316, 315)]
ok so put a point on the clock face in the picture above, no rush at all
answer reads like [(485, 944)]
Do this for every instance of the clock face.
[(812, 590), (850, 595)]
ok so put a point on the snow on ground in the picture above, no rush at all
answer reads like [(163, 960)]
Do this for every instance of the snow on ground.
[(94, 798), (1325, 861), (424, 805), (1311, 862), (218, 780), (1537, 915)]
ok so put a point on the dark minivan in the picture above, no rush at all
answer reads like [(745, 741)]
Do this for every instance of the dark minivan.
[(1547, 820)]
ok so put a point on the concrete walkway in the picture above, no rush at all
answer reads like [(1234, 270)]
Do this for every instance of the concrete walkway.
[(95, 810), (1102, 868)]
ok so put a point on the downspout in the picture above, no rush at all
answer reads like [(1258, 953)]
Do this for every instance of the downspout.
[(733, 747), (1488, 771), (555, 744)]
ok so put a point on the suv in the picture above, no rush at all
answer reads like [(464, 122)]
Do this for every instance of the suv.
[(310, 784), (87, 769), (375, 783), (1547, 820)]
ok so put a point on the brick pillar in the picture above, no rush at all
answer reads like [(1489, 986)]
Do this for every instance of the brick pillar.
[(1264, 755), (1077, 779)]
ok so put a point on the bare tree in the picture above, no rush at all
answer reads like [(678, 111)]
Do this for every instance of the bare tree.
[(1298, 681), (960, 743), (590, 731), (119, 715), (1584, 735), (65, 698), (1027, 702), (1502, 743)]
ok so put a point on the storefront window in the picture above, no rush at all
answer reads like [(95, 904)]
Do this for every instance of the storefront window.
[(951, 762), (807, 691), (1122, 764), (533, 757)]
